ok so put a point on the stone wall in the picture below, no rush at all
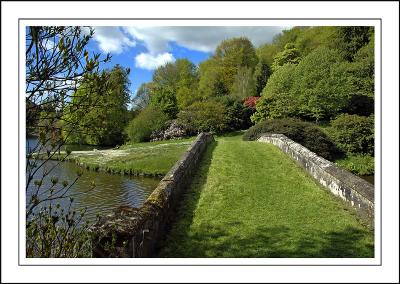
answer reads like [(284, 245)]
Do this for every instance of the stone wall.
[(354, 190), (136, 232)]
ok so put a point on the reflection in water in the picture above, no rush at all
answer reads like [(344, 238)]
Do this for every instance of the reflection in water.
[(32, 145), (370, 178), (110, 191)]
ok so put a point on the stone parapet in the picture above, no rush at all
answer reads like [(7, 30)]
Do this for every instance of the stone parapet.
[(136, 232), (354, 190)]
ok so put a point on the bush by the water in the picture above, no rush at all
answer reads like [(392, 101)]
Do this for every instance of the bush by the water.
[(359, 164), (354, 133), (304, 133), (204, 116), (142, 126), (171, 130)]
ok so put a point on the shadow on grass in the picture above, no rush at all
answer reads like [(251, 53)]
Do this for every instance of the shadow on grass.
[(228, 240), (269, 242), (232, 134), (186, 208)]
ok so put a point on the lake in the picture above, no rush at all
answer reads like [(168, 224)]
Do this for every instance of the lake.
[(110, 192)]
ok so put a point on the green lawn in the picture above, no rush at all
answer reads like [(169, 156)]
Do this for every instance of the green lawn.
[(151, 159), (249, 199)]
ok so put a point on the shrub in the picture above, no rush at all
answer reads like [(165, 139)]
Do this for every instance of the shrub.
[(354, 133), (359, 164), (304, 133), (250, 102), (321, 84), (237, 115), (204, 116), (171, 130), (148, 120), (276, 100)]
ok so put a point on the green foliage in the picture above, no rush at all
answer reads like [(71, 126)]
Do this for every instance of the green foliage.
[(148, 120), (54, 234), (174, 86), (277, 100), (260, 76), (354, 133), (98, 110), (236, 52), (304, 133), (142, 97), (352, 38), (311, 38), (237, 115), (321, 84), (358, 164), (288, 36), (266, 53), (211, 82), (218, 74), (204, 116), (360, 105), (244, 85), (290, 55), (362, 70), (164, 99)]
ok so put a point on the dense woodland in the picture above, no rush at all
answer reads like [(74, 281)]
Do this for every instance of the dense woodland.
[(321, 75)]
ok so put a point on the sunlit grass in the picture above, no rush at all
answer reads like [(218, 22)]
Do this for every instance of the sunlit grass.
[(249, 199), (150, 159)]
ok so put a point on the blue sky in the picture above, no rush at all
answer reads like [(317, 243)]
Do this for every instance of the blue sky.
[(143, 49)]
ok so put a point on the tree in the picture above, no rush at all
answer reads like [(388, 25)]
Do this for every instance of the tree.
[(188, 82), (288, 36), (56, 65), (289, 55), (312, 38), (204, 116), (174, 86), (142, 97), (211, 82), (148, 120), (261, 74), (352, 38), (266, 52), (217, 74), (277, 100), (322, 84), (244, 85), (164, 98), (103, 123)]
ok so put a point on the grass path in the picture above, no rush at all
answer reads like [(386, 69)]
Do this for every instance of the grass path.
[(249, 199)]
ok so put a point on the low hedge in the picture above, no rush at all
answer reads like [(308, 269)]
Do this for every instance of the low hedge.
[(304, 133), (354, 133)]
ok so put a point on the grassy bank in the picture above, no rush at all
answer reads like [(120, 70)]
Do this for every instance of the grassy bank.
[(249, 199), (149, 159)]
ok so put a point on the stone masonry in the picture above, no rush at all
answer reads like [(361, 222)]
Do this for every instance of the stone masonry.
[(354, 190), (136, 232)]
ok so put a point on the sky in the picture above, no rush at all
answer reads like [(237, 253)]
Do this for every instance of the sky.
[(143, 49)]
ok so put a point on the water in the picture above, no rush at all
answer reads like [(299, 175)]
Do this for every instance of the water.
[(110, 192), (32, 145), (370, 178)]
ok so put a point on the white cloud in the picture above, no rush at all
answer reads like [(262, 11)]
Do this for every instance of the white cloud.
[(200, 38), (150, 61), (157, 40), (113, 39), (48, 44)]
